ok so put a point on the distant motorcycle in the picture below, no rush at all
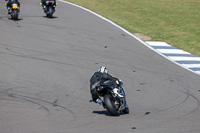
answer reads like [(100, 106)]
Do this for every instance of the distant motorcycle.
[(114, 99), (14, 10), (49, 7)]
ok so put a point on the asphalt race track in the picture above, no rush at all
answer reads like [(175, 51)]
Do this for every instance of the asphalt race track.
[(46, 64)]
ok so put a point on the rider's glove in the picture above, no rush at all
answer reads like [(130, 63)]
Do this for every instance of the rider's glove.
[(117, 81), (115, 90)]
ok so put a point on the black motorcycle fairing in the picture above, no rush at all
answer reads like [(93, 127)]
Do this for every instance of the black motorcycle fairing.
[(49, 2), (12, 2)]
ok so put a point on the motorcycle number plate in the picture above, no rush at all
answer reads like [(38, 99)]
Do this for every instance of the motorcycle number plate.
[(14, 6)]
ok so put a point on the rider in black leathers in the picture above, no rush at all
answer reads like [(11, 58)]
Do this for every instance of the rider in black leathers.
[(98, 78), (9, 4), (44, 3)]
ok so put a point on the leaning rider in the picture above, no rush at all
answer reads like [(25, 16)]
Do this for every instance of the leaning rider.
[(98, 78)]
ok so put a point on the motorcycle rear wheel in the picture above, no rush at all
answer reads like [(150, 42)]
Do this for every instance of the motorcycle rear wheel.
[(14, 15), (110, 105), (50, 12)]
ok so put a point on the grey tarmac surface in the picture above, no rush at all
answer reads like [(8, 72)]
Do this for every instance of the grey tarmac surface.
[(46, 64)]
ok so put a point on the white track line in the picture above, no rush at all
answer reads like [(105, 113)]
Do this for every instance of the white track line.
[(172, 51)]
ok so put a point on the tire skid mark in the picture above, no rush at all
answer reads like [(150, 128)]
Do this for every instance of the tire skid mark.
[(19, 97), (176, 104), (195, 98), (46, 60), (30, 99), (194, 110), (14, 53), (188, 95), (41, 59), (188, 92), (10, 46)]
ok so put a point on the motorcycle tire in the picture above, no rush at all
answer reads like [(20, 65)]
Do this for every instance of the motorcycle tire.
[(15, 15), (110, 105), (50, 12)]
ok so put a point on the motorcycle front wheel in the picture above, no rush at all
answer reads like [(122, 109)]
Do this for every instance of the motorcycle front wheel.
[(109, 103)]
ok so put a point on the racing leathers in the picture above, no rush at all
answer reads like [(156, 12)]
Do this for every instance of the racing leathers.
[(44, 2), (96, 80)]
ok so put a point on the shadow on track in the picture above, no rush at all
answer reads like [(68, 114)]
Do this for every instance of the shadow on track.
[(105, 112), (19, 19), (50, 18)]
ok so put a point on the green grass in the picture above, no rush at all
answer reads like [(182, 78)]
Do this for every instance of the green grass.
[(176, 22)]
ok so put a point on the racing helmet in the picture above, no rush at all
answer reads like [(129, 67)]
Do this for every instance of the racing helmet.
[(103, 69)]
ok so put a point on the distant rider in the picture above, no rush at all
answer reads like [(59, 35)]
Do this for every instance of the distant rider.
[(43, 3), (98, 78), (8, 5)]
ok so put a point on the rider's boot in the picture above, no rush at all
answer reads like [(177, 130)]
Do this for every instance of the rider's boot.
[(9, 10), (126, 110), (99, 101)]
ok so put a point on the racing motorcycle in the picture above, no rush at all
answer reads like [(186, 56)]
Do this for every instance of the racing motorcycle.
[(14, 10), (49, 7), (114, 99)]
